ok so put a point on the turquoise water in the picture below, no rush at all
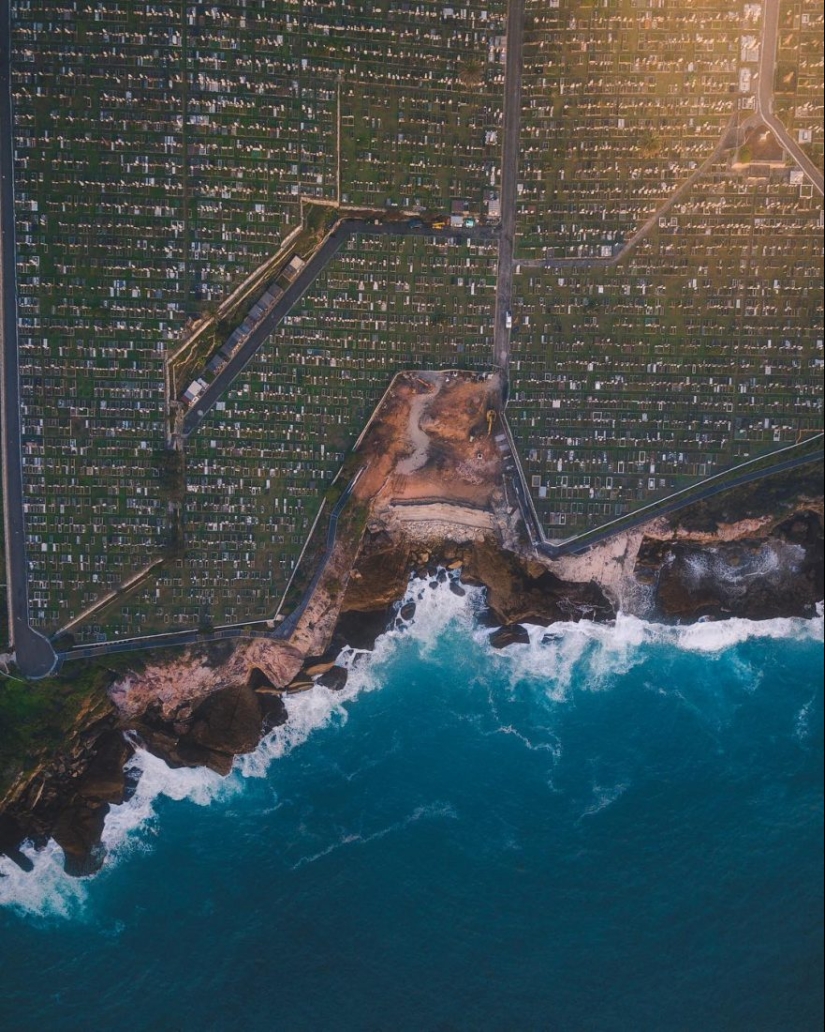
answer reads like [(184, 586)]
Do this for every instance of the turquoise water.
[(612, 828)]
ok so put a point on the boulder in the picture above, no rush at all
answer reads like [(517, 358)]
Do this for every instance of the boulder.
[(335, 678), (77, 831), (273, 708), (407, 611), (227, 721), (512, 634)]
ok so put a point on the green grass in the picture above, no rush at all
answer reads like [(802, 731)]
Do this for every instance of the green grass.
[(37, 717)]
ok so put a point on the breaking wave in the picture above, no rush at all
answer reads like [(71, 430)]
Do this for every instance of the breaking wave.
[(565, 657)]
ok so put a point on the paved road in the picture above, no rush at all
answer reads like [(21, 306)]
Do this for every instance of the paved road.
[(175, 639), (668, 506), (764, 93), (34, 653), (296, 290), (509, 183)]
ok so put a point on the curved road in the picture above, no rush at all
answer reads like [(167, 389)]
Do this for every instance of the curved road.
[(33, 652), (680, 501)]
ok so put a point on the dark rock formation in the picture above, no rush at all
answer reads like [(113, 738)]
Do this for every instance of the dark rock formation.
[(335, 678), (68, 799), (273, 708), (360, 628), (755, 578), (11, 836), (258, 679), (512, 634), (226, 723), (521, 591), (777, 570)]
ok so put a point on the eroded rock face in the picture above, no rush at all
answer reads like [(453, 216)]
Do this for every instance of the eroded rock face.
[(380, 576), (780, 574), (522, 592), (335, 678), (517, 589), (193, 676), (225, 724), (359, 628), (69, 799), (209, 705)]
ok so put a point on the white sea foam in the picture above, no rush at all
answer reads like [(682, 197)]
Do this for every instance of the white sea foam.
[(565, 656), (802, 724), (604, 797), (198, 785), (561, 652), (48, 891), (45, 892), (434, 811)]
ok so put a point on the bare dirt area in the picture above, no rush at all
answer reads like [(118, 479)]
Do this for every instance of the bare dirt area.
[(432, 441)]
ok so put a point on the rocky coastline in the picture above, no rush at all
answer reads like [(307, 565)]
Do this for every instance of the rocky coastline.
[(774, 569), (754, 554)]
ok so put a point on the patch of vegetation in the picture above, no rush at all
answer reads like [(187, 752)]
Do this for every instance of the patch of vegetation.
[(35, 717), (471, 71), (745, 155), (318, 218)]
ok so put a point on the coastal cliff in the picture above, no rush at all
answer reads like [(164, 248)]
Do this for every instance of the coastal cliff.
[(431, 502)]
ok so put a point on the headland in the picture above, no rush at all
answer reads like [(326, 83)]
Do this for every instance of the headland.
[(431, 494)]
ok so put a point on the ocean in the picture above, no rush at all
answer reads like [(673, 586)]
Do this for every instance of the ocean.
[(611, 828)]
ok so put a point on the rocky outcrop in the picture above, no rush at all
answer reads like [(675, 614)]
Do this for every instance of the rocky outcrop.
[(512, 634), (67, 798), (174, 682), (521, 591), (206, 706), (335, 678), (518, 589), (780, 572), (225, 724)]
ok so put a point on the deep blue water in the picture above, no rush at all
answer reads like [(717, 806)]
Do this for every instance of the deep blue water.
[(620, 829)]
